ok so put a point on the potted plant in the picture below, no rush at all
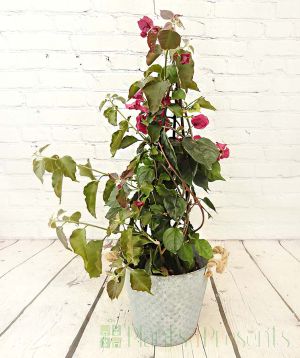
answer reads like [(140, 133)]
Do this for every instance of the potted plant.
[(157, 250)]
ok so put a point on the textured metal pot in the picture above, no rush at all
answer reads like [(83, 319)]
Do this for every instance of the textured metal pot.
[(169, 316)]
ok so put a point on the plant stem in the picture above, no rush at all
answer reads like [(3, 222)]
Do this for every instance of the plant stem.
[(185, 186), (190, 104), (166, 61), (94, 170), (81, 223), (190, 126)]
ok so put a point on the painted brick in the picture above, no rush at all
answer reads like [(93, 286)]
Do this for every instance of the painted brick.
[(245, 9), (288, 9)]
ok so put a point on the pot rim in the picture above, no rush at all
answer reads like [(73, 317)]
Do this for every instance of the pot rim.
[(169, 277)]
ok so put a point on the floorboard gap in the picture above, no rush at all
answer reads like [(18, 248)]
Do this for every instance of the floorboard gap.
[(224, 318), (78, 336), (2, 248), (265, 276), (288, 251)]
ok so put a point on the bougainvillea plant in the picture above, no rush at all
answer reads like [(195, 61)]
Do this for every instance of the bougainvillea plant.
[(150, 202)]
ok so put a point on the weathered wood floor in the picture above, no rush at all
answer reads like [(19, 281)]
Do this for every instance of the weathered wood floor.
[(49, 307)]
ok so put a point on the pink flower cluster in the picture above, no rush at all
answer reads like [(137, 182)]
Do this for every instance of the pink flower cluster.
[(138, 203), (140, 126), (184, 58), (137, 105), (224, 151), (146, 25), (200, 121)]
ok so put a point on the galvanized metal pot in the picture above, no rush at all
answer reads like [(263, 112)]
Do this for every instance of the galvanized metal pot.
[(169, 316)]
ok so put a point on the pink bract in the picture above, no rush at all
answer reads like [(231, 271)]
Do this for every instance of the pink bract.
[(145, 24), (166, 101), (138, 203), (200, 121), (139, 95), (141, 126), (197, 137), (137, 106), (224, 151), (185, 58)]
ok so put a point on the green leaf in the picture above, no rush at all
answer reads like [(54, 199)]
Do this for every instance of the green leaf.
[(94, 254), (133, 89), (78, 243), (75, 216), (193, 85), (175, 206), (39, 168), (117, 137), (179, 94), (200, 178), (185, 72), (131, 246), (163, 191), (90, 252), (154, 131), (68, 166), (109, 186), (171, 73), (51, 163), (203, 151), (140, 280), (146, 218), (119, 98), (127, 141), (176, 109), (169, 39), (157, 209), (85, 170), (215, 172), (154, 68), (115, 286), (145, 174), (173, 239), (186, 253), (102, 104), (90, 193), (154, 92), (43, 148), (164, 177), (209, 204), (187, 167), (111, 114), (152, 56), (205, 104), (62, 237), (57, 179), (203, 248), (146, 188), (112, 212), (168, 149)]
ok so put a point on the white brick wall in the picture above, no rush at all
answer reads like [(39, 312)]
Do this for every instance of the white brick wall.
[(59, 57)]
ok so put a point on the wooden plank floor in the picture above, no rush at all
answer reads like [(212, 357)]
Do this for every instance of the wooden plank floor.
[(50, 308)]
